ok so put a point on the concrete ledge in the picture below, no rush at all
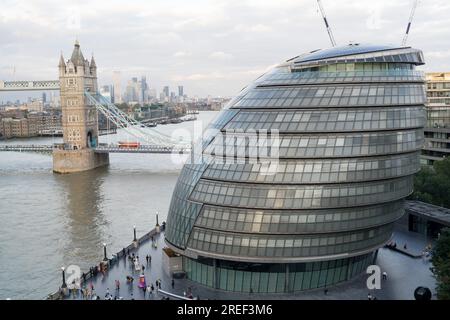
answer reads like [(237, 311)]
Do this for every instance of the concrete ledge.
[(70, 161), (405, 252)]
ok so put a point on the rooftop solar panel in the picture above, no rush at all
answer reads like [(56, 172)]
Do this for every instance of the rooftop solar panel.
[(343, 51)]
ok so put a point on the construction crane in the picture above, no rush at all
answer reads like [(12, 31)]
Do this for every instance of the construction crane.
[(413, 10), (330, 33)]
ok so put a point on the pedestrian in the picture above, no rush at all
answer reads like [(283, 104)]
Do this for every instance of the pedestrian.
[(173, 283), (146, 258), (149, 289), (123, 252), (117, 285), (159, 283), (152, 287), (404, 246), (143, 268), (384, 275), (150, 259), (325, 292)]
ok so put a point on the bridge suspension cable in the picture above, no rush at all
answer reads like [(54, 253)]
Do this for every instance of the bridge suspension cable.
[(132, 126)]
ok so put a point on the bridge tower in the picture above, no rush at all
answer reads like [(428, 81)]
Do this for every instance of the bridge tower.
[(79, 118)]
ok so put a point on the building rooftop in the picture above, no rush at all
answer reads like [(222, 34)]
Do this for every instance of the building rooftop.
[(436, 213), (350, 49), (357, 52)]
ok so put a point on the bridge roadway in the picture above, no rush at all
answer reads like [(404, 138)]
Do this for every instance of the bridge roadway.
[(100, 149), (27, 147), (38, 85)]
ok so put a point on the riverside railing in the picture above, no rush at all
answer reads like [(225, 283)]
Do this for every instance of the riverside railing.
[(58, 295)]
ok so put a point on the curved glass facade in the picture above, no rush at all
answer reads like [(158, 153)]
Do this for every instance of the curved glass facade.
[(345, 127), (274, 278)]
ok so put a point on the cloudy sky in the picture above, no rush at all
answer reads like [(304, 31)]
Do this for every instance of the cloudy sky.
[(210, 46)]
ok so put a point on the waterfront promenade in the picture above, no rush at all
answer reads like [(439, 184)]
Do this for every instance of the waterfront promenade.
[(405, 273)]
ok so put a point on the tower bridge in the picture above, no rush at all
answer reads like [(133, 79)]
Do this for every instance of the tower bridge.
[(80, 104)]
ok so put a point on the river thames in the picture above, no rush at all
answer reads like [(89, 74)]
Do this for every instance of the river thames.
[(50, 220)]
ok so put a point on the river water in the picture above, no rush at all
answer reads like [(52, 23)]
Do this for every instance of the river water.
[(50, 220)]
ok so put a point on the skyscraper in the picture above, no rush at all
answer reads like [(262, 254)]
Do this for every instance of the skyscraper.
[(166, 91), (143, 90), (117, 87), (132, 92), (350, 124), (180, 91), (107, 92)]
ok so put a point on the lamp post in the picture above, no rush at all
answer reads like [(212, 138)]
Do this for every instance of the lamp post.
[(134, 232), (64, 284), (105, 258)]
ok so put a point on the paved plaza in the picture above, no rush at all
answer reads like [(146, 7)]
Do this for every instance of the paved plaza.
[(404, 275)]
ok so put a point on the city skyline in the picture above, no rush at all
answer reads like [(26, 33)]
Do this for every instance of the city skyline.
[(209, 48)]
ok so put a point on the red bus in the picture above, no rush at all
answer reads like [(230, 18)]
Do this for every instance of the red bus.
[(129, 145)]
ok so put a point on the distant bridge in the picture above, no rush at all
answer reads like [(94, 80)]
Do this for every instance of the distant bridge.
[(141, 149), (26, 147), (29, 85), (110, 148)]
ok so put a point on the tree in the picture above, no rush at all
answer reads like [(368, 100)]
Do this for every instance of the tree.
[(432, 184), (441, 264), (122, 106)]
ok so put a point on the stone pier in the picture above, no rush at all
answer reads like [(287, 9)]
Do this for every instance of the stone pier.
[(70, 161)]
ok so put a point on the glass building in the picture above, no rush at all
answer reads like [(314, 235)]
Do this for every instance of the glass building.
[(437, 129), (348, 123)]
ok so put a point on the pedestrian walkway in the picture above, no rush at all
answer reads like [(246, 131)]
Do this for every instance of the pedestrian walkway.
[(410, 243), (404, 274)]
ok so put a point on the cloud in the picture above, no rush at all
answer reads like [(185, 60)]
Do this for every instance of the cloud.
[(198, 76), (181, 54), (220, 55), (438, 54), (253, 28), (210, 47)]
